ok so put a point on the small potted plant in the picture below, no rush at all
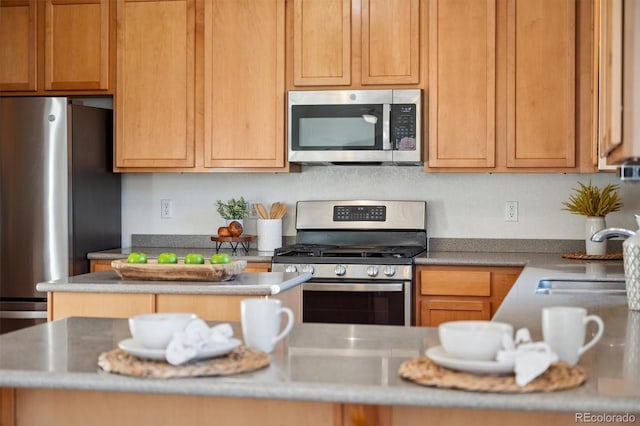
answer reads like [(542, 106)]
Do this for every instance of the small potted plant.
[(233, 209), (595, 204)]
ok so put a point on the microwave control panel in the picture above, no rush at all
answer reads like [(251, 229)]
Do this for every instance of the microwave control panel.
[(403, 126)]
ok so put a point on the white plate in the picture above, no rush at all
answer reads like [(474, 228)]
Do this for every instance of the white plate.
[(136, 349), (438, 355)]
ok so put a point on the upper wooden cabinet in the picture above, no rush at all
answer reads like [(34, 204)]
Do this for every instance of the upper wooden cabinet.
[(321, 42), (200, 86), (155, 96), (56, 46), (510, 85), (244, 83), (356, 42)]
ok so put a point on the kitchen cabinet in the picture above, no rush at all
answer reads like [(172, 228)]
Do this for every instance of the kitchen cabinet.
[(124, 305), (357, 43), (200, 86), (510, 86), (451, 293), (104, 305), (155, 95), (57, 46), (244, 83)]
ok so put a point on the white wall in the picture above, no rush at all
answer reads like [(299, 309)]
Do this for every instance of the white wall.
[(458, 205)]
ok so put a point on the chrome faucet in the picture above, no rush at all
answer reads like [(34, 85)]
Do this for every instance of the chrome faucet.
[(605, 234)]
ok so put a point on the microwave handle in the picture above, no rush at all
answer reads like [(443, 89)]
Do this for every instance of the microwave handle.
[(386, 131)]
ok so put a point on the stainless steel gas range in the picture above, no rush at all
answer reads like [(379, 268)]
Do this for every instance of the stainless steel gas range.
[(360, 254)]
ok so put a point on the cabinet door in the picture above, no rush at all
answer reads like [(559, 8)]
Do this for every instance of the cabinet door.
[(462, 83), (435, 312), (390, 41), (244, 83), (207, 307), (155, 96), (76, 44), (18, 45), (541, 83), (321, 42), (104, 305)]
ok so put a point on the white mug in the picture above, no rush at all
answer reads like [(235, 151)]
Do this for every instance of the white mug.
[(261, 319), (564, 330)]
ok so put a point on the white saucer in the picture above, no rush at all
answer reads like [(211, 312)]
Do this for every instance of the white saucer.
[(438, 355), (136, 349)]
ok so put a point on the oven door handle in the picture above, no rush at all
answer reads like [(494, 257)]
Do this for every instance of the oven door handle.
[(353, 287)]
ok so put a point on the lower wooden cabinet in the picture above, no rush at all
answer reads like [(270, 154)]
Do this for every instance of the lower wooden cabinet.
[(451, 293)]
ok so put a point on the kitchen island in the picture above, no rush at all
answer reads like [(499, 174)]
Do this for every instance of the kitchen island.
[(325, 374), (321, 374), (105, 294)]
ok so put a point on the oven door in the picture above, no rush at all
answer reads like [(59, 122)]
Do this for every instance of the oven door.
[(357, 302)]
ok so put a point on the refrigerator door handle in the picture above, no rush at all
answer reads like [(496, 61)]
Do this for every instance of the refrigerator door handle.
[(23, 314)]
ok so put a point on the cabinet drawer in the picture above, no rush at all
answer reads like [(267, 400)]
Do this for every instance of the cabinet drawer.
[(435, 312), (455, 283)]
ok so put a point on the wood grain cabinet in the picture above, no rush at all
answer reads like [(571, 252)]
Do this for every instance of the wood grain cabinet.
[(244, 84), (200, 86), (56, 46), (450, 293), (510, 85), (356, 42)]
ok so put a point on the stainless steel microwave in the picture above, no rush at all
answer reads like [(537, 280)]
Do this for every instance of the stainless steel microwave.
[(355, 126)]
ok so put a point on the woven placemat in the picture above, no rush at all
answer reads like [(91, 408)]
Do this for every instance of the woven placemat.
[(584, 256), (425, 372), (242, 359)]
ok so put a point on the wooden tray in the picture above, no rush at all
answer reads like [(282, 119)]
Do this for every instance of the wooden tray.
[(584, 256), (240, 360), (425, 372), (178, 272)]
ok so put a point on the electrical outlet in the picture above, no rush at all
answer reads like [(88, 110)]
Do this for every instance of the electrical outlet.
[(166, 209), (511, 211)]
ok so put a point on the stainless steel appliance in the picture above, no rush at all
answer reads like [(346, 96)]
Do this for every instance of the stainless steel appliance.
[(360, 254), (355, 126), (58, 198)]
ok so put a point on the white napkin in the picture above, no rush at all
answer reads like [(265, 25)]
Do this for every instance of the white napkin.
[(530, 359), (196, 337)]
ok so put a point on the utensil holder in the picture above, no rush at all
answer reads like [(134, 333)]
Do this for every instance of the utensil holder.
[(269, 234)]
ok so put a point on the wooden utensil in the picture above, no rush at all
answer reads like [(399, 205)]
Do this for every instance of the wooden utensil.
[(274, 210), (261, 211)]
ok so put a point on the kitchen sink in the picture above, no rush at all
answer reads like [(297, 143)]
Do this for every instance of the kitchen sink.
[(581, 286)]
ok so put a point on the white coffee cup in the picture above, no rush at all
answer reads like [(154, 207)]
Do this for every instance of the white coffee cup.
[(261, 320), (564, 330)]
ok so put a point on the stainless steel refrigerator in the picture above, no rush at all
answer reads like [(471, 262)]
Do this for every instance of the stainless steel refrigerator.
[(59, 198)]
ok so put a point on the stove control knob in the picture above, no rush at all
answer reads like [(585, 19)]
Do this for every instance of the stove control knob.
[(340, 270), (389, 271), (307, 268), (372, 271), (291, 268)]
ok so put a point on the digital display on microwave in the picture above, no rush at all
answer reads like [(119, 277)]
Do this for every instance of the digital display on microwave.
[(336, 133)]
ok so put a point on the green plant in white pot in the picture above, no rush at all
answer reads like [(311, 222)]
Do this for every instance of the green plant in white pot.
[(594, 203)]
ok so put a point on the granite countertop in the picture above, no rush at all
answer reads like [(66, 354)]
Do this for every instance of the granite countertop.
[(250, 283), (316, 362), (359, 363)]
